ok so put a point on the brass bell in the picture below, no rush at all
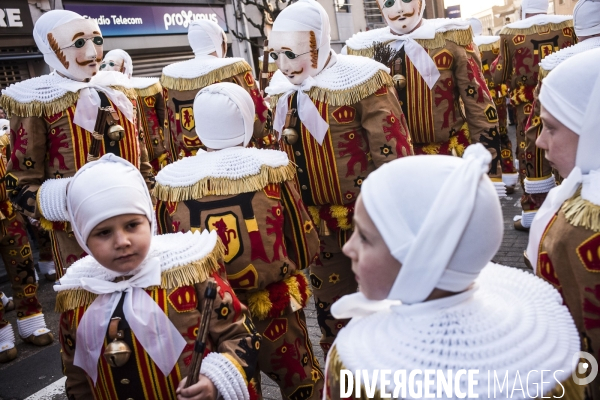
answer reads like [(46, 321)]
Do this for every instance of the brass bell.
[(117, 353), (399, 81), (290, 136), (116, 132), (323, 228)]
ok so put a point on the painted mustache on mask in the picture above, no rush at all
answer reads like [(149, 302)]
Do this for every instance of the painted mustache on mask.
[(296, 72), (87, 62), (408, 15)]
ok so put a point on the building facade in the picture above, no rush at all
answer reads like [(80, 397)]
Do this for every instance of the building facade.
[(564, 7)]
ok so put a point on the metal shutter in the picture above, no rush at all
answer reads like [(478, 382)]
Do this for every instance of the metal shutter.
[(12, 71), (152, 64)]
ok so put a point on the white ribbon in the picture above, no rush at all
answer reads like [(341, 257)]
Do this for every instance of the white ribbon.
[(307, 111), (152, 328), (420, 59)]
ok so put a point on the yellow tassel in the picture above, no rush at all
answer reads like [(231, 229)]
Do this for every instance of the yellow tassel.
[(580, 212), (45, 224), (314, 215), (37, 108), (200, 82), (504, 89), (294, 287), (259, 304), (537, 29), (225, 186), (150, 90), (341, 214), (490, 46)]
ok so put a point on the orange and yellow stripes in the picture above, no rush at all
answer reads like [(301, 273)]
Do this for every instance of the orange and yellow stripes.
[(420, 104)]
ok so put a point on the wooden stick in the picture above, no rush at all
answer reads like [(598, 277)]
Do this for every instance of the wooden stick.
[(264, 75)]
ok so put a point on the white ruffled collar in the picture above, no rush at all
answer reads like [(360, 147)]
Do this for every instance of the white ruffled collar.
[(512, 322), (428, 29), (343, 72), (232, 163), (554, 59), (541, 19), (480, 40), (174, 250), (198, 66), (143, 82)]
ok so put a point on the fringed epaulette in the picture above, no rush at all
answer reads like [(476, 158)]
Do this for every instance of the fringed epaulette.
[(185, 275), (542, 73), (272, 66), (348, 96), (129, 92), (537, 29), (582, 213), (462, 37), (211, 186), (150, 90), (489, 47), (200, 82), (37, 108)]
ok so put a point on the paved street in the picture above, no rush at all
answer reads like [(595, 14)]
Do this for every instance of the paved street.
[(36, 373)]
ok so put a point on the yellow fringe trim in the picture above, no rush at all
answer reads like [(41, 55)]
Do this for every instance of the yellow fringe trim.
[(537, 29), (260, 305), (272, 66), (314, 214), (489, 46), (200, 82), (37, 108), (352, 95), (225, 186), (580, 212), (45, 224), (542, 73), (150, 90), (129, 92), (186, 275)]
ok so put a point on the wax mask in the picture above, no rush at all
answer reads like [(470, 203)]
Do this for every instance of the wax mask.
[(402, 16), (112, 64), (295, 54), (4, 127), (78, 46)]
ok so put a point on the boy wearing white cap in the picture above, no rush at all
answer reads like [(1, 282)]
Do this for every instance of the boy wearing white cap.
[(339, 120), (433, 301), (16, 254), (563, 242), (183, 80), (523, 45), (150, 104), (540, 178), (54, 119), (247, 196), (440, 86), (131, 310)]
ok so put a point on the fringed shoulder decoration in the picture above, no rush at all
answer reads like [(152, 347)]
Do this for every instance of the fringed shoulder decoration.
[(272, 66), (194, 272), (542, 74), (182, 83), (537, 29), (462, 37), (37, 108), (582, 213), (129, 92), (150, 90), (221, 173), (352, 95), (489, 46)]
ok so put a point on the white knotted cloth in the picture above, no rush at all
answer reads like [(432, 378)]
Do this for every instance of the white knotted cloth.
[(89, 101), (571, 94), (444, 232), (586, 18), (123, 55), (227, 114), (533, 7), (206, 37), (305, 16)]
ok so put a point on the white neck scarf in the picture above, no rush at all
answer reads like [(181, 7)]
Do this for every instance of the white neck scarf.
[(571, 94)]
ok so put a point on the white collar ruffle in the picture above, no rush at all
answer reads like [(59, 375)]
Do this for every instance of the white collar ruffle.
[(143, 82), (554, 59), (541, 19), (481, 40), (198, 66)]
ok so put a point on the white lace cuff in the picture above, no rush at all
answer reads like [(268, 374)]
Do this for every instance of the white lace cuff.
[(35, 325), (225, 376), (540, 186), (527, 218), (500, 188), (510, 179), (52, 198), (7, 338)]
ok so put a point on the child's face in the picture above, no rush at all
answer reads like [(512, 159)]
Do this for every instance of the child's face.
[(372, 263), (121, 243)]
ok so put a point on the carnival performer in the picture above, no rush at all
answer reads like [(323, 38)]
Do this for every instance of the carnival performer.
[(17, 257), (150, 104), (248, 197), (539, 175), (183, 80), (54, 119), (523, 45), (436, 67), (563, 241), (489, 48), (339, 120), (131, 310), (422, 289)]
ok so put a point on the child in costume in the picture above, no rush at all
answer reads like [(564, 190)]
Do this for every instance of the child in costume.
[(430, 299), (142, 294), (247, 196)]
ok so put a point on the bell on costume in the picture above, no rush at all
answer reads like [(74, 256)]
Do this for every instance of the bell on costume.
[(117, 352)]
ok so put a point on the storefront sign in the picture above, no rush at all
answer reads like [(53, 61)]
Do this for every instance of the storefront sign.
[(15, 18), (137, 20)]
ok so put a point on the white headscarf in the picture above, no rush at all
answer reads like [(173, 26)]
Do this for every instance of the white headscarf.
[(104, 189), (227, 114), (533, 7), (123, 55), (571, 94), (476, 25), (206, 37), (586, 17), (44, 25), (307, 15)]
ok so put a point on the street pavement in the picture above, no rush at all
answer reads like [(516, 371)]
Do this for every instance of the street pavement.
[(36, 373)]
